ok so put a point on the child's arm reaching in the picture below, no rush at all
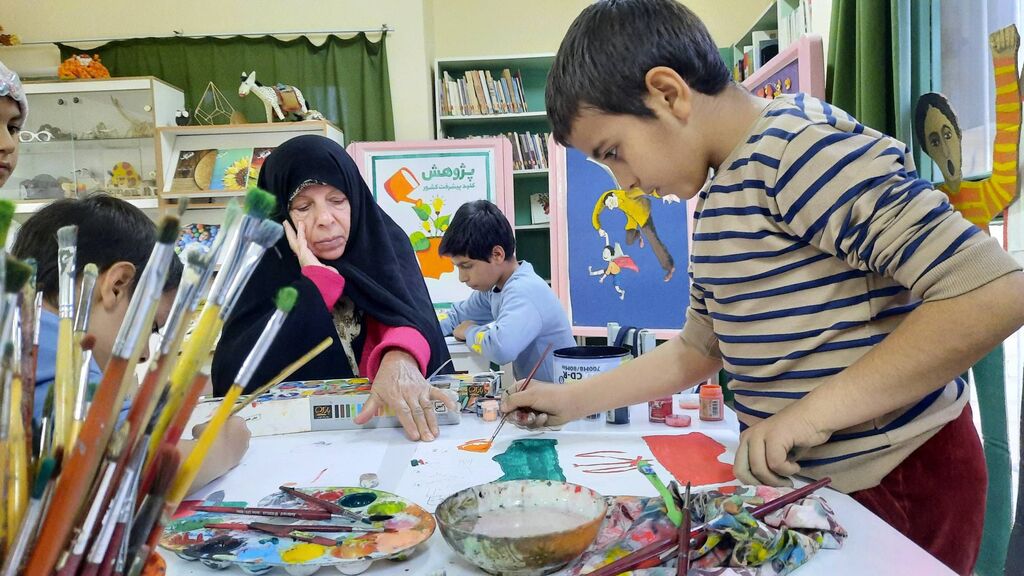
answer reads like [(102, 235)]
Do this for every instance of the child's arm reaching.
[(671, 367), (475, 309), (518, 324)]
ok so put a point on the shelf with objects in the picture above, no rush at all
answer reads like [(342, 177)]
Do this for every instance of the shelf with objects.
[(779, 25), (504, 96), (208, 165), (91, 136)]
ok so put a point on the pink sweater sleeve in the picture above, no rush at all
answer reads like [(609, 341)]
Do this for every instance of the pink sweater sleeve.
[(380, 338), (327, 281)]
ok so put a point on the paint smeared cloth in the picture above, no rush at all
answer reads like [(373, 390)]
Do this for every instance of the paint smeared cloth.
[(737, 543)]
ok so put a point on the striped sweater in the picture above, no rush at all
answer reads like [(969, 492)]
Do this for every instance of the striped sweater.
[(812, 242)]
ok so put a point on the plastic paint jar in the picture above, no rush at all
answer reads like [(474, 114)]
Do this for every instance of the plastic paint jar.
[(489, 410), (712, 403), (582, 362)]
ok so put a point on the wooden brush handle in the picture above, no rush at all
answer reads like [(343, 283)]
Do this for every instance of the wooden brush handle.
[(190, 468), (79, 469), (175, 429)]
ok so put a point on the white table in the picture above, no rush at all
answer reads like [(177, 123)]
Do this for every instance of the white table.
[(321, 458)]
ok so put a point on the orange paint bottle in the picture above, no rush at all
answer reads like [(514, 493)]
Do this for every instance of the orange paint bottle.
[(712, 403)]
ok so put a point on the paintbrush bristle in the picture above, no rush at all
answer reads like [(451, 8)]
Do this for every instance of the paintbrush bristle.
[(67, 236), (118, 440), (91, 270), (168, 230), (259, 203), (267, 233), (46, 468), (88, 342), (6, 216), (168, 459), (286, 298), (182, 206), (31, 263), (17, 274), (48, 402)]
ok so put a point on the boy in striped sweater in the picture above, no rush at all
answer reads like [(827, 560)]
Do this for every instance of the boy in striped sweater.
[(843, 295)]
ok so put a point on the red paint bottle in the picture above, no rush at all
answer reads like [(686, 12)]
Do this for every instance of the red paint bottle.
[(658, 409)]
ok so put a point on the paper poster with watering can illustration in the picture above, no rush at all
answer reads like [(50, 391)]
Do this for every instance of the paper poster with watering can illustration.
[(420, 185)]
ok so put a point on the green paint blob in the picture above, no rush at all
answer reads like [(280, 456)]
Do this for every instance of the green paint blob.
[(530, 459), (192, 523), (386, 508)]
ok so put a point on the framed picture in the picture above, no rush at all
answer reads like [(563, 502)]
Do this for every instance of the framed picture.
[(421, 185), (798, 68), (616, 255)]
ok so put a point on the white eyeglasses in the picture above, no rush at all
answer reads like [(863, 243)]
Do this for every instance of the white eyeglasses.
[(26, 136)]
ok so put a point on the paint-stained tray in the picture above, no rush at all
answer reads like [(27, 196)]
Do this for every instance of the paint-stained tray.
[(258, 552)]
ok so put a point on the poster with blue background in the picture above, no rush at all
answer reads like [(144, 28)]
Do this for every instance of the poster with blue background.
[(620, 276)]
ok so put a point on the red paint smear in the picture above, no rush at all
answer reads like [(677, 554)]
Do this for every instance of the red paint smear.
[(186, 508), (691, 458), (318, 476)]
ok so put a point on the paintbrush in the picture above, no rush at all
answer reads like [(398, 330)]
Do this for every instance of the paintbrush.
[(85, 456), (46, 425), (149, 512), (332, 507), (26, 530), (285, 301), (303, 527), (667, 544), (144, 400), (288, 371), (64, 380), (80, 543), (298, 513), (14, 486), (683, 536), (218, 304), (114, 521), (484, 446), (26, 304), (280, 530), (83, 355), (19, 477)]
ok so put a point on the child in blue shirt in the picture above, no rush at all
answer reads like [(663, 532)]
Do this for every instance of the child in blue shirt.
[(513, 315)]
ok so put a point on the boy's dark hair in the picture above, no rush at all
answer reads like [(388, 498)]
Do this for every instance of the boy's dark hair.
[(607, 52), (110, 230), (940, 103), (606, 249), (475, 230)]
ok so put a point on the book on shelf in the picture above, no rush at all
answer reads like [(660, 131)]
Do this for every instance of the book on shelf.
[(231, 170), (481, 93), (193, 171)]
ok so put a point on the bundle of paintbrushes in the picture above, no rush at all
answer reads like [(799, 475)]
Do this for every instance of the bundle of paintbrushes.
[(96, 498)]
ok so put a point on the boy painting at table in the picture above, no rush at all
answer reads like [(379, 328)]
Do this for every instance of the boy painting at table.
[(512, 315), (118, 238), (843, 294)]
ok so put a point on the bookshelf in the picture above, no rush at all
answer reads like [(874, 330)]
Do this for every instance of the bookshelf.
[(514, 108), (783, 22)]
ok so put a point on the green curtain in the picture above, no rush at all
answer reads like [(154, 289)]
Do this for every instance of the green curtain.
[(346, 79), (859, 77), (990, 382)]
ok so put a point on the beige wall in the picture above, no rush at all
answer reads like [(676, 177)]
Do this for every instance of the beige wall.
[(424, 30)]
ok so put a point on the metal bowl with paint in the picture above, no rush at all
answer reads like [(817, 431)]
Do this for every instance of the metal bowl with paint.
[(521, 527)]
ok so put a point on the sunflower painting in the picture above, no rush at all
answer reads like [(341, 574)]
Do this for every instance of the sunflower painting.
[(231, 171)]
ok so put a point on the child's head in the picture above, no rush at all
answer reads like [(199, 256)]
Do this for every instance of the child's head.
[(624, 87), (13, 110), (112, 234), (606, 253), (481, 244)]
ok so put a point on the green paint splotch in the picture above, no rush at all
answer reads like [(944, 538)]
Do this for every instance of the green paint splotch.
[(530, 459), (386, 508)]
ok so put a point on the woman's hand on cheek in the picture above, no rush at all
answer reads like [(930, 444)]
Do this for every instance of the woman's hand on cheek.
[(300, 246), (400, 386)]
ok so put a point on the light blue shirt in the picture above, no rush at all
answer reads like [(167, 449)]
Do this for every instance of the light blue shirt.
[(515, 324), (46, 366)]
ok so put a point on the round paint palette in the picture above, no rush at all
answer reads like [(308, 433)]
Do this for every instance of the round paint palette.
[(258, 552)]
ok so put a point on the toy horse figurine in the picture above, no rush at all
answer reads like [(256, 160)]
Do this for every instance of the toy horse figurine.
[(278, 100)]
